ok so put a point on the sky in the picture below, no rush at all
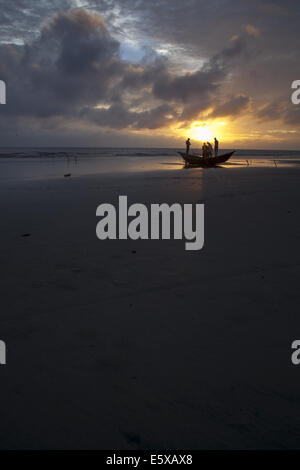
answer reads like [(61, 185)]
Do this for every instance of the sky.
[(140, 73)]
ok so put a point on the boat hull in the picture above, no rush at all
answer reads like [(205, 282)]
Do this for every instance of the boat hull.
[(206, 162)]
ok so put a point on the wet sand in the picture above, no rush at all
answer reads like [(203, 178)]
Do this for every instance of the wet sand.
[(141, 344)]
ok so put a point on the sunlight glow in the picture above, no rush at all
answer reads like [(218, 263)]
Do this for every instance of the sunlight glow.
[(202, 133), (206, 131)]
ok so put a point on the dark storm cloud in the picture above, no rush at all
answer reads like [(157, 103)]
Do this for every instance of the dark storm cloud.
[(248, 51), (71, 64), (263, 70), (282, 110), (118, 117), (292, 116), (205, 25), (271, 111), (187, 87), (75, 64), (232, 107)]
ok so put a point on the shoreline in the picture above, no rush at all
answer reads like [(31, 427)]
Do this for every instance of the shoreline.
[(42, 168)]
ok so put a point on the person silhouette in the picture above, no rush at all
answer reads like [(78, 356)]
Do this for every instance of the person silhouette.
[(188, 144), (216, 146)]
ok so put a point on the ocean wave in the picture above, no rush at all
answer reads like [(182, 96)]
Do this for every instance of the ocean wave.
[(81, 152)]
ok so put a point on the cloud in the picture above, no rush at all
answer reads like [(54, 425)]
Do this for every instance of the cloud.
[(71, 64), (21, 20), (271, 111), (281, 110), (118, 116), (70, 67), (75, 65), (232, 107), (251, 30), (292, 116)]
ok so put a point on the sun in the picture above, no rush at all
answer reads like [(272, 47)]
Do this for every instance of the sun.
[(203, 133)]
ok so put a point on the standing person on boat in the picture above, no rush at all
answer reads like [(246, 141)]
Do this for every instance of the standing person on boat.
[(216, 146), (188, 144), (210, 149), (204, 150)]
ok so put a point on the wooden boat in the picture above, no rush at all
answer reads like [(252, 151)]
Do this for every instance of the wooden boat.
[(204, 161)]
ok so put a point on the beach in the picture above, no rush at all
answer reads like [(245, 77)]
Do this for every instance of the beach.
[(123, 344)]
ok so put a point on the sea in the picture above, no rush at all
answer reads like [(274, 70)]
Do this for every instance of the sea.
[(98, 152), (56, 162)]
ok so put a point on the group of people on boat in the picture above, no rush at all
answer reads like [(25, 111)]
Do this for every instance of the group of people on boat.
[(207, 149)]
